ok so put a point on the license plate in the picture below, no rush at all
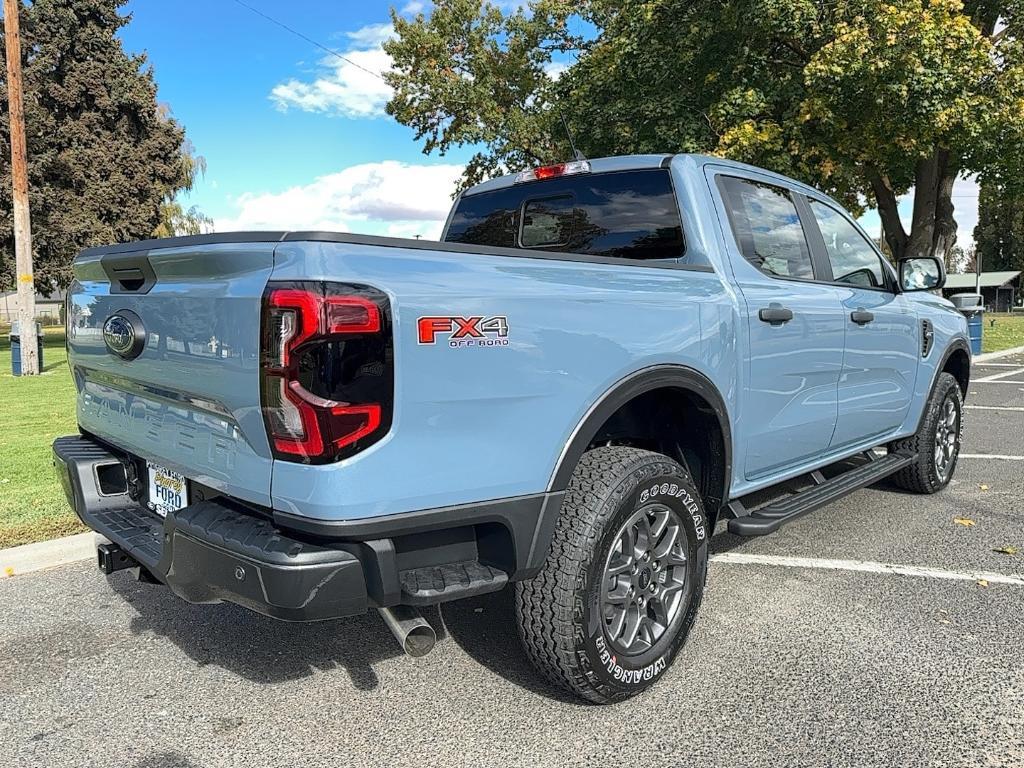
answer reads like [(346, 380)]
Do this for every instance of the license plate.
[(168, 491)]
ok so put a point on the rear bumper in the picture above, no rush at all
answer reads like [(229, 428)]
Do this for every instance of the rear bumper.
[(219, 549), (212, 551)]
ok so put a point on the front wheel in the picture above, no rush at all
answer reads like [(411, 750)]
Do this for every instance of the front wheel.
[(623, 579), (937, 441)]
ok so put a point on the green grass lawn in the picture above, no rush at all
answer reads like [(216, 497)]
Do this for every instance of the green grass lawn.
[(33, 411), (1005, 333)]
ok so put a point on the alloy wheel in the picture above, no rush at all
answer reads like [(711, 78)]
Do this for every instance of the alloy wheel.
[(947, 437), (644, 585)]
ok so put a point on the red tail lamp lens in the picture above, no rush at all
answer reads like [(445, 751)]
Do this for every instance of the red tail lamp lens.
[(325, 339), (352, 422), (351, 314)]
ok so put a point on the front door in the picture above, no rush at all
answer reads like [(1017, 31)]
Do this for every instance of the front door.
[(883, 338), (795, 329)]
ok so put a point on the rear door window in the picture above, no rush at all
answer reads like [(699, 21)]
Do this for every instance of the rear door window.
[(767, 228), (625, 214)]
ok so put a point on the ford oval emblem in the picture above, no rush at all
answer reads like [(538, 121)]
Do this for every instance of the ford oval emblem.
[(124, 335)]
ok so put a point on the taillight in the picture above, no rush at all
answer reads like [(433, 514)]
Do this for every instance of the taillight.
[(327, 362)]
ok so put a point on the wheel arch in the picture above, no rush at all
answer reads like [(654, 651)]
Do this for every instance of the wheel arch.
[(671, 408), (957, 361)]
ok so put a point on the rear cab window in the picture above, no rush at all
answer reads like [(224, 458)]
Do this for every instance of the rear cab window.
[(766, 224), (621, 214)]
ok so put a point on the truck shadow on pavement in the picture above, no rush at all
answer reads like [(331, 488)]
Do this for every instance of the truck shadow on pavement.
[(260, 649), (266, 651), (485, 628), (165, 760)]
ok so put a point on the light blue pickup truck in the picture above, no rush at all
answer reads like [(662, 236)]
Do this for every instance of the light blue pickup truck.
[(600, 362)]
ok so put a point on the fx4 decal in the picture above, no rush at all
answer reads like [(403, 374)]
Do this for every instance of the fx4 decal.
[(464, 331)]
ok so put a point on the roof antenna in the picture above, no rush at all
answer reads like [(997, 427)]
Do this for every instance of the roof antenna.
[(576, 154)]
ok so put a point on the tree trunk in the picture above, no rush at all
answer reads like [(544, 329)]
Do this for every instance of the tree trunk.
[(945, 224), (926, 196), (888, 211), (932, 227)]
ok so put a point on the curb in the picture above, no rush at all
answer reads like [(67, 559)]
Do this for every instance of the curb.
[(47, 554), (996, 355)]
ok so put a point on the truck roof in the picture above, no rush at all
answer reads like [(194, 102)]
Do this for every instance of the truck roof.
[(637, 162), (597, 165)]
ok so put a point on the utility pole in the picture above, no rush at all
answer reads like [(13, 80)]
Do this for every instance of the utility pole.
[(19, 175), (977, 269)]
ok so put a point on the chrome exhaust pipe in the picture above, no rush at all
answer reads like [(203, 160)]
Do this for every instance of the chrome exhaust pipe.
[(410, 629)]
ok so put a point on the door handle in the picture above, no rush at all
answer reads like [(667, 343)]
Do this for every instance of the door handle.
[(861, 316), (775, 314)]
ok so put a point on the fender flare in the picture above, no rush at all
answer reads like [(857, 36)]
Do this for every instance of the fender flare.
[(958, 343), (620, 393)]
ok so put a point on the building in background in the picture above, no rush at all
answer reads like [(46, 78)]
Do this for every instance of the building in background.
[(1000, 290), (48, 307)]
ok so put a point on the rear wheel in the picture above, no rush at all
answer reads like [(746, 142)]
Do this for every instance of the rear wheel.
[(937, 441), (623, 579)]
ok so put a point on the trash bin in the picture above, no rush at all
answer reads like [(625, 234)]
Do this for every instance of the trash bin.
[(16, 347), (973, 308)]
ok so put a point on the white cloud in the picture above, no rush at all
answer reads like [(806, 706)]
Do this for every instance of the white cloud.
[(385, 198), (414, 7), (349, 88), (555, 69), (371, 36)]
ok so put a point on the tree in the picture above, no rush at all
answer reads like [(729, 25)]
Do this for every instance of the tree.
[(102, 155), (865, 99), (958, 259), (175, 219), (469, 74), (999, 236)]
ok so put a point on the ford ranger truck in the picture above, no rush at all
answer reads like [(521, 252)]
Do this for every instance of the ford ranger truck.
[(600, 362)]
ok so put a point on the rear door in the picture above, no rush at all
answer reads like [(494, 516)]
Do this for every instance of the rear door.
[(187, 397), (795, 327), (883, 340)]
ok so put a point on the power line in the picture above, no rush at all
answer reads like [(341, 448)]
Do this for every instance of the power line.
[(310, 40)]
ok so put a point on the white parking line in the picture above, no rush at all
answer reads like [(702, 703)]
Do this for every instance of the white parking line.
[(1001, 381), (999, 456), (997, 376), (997, 365), (865, 566), (993, 408)]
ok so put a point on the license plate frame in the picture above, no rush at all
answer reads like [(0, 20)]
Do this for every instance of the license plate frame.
[(167, 490)]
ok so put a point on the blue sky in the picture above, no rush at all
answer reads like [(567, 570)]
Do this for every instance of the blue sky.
[(297, 139), (272, 114)]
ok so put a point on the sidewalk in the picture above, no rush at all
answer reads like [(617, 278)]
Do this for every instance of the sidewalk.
[(47, 554)]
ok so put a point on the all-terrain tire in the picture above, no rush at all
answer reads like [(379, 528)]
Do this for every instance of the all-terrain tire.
[(924, 475), (559, 612)]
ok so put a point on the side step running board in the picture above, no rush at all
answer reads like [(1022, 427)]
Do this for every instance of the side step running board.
[(770, 518)]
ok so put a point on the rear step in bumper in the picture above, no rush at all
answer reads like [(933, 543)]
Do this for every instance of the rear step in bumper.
[(210, 551)]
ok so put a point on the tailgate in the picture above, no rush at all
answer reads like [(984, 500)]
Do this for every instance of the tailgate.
[(186, 393)]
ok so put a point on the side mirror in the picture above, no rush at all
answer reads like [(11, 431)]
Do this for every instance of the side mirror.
[(924, 273)]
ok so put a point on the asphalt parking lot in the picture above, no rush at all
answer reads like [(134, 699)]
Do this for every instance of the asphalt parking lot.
[(810, 664)]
